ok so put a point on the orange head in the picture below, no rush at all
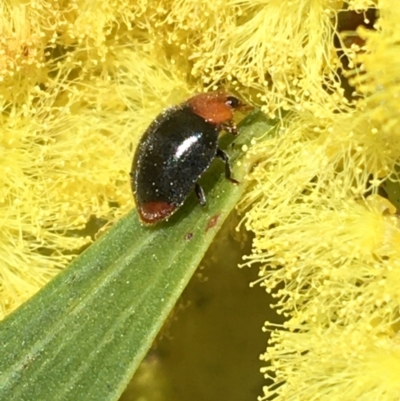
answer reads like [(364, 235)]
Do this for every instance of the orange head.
[(215, 107)]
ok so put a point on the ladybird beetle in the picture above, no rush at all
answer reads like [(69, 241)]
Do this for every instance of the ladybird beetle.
[(176, 149)]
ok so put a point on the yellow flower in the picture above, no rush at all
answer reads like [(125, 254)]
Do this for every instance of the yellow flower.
[(74, 98), (328, 243)]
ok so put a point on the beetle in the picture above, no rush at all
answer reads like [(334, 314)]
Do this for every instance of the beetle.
[(176, 149)]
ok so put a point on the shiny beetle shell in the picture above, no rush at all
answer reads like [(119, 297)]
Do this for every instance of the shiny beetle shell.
[(175, 150)]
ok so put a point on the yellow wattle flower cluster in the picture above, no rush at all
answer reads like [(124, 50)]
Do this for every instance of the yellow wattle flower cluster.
[(74, 95), (79, 82), (329, 243)]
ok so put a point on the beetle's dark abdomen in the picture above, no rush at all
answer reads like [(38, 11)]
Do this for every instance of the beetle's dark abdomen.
[(172, 154)]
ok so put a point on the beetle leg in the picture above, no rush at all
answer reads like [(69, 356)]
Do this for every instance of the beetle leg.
[(230, 127), (201, 196), (225, 158)]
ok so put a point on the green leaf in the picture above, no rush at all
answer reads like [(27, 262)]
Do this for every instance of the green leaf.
[(85, 333)]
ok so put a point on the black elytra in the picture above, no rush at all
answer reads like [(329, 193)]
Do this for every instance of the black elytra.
[(176, 150)]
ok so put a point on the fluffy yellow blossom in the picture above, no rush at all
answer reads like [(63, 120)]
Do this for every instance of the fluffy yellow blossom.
[(328, 243), (73, 100), (278, 52)]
